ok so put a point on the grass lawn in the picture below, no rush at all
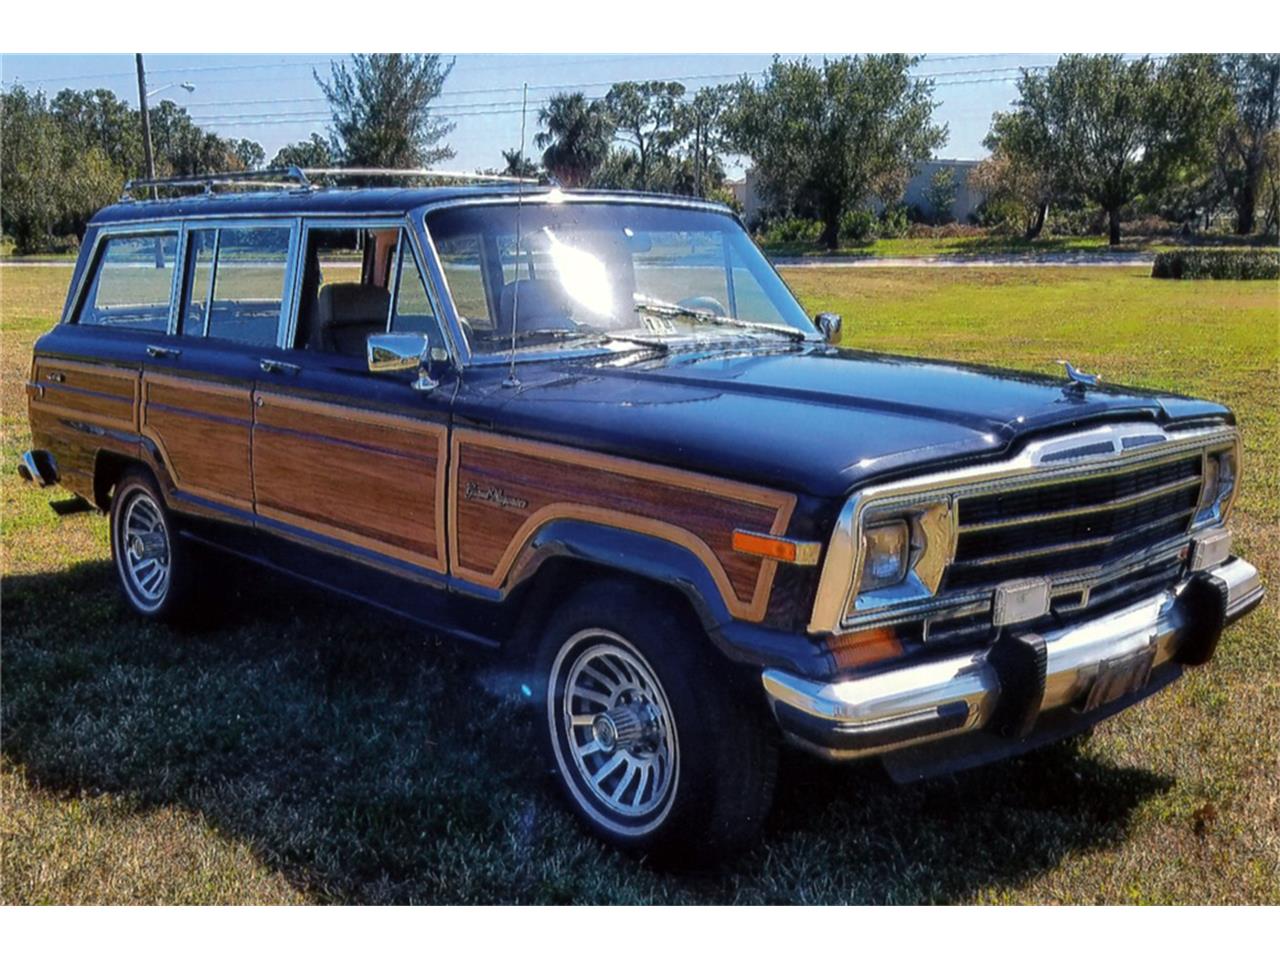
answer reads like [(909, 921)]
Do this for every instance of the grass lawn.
[(308, 751)]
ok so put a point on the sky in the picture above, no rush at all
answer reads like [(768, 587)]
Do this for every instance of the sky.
[(275, 99)]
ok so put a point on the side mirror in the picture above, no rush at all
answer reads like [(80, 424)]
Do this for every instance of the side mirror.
[(828, 325), (406, 351), (395, 351)]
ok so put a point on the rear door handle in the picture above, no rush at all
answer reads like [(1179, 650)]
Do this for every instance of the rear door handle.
[(154, 351), (278, 366)]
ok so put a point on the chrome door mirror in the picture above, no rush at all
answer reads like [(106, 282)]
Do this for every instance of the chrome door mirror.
[(828, 325), (406, 351), (396, 351)]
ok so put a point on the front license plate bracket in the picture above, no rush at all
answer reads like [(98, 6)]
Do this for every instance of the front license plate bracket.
[(1120, 676)]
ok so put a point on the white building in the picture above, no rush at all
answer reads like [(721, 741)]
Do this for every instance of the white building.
[(916, 194)]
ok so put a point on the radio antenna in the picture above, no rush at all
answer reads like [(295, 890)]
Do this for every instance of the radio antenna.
[(512, 380)]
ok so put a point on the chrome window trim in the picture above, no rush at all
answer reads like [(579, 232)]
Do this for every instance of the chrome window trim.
[(838, 580), (219, 224), (366, 222), (555, 196), (73, 305)]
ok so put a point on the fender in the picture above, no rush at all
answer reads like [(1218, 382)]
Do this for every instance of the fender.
[(662, 561)]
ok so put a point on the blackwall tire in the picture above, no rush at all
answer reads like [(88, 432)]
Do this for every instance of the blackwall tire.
[(656, 748), (156, 569)]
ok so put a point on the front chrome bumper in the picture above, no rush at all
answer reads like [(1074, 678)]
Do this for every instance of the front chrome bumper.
[(955, 695)]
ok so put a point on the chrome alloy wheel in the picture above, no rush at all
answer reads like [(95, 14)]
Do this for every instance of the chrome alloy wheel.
[(613, 732), (142, 550)]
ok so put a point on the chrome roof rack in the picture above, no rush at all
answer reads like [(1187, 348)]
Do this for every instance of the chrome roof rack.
[(415, 172), (274, 178), (303, 178)]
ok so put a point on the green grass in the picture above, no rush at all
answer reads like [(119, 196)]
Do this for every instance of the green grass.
[(307, 750)]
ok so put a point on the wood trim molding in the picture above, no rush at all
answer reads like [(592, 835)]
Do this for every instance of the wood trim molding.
[(41, 365), (197, 386), (436, 562), (750, 608)]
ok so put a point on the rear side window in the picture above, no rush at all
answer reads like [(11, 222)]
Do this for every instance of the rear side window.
[(133, 283), (235, 283)]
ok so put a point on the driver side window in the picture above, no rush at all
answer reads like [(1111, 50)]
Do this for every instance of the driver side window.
[(357, 282)]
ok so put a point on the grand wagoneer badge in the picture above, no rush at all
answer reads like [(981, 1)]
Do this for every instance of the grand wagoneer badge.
[(495, 495)]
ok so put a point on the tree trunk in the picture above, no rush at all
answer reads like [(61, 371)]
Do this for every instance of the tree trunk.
[(830, 230), (1042, 214), (1113, 220), (1246, 201)]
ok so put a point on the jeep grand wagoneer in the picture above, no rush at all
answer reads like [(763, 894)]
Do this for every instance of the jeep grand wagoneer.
[(596, 433)]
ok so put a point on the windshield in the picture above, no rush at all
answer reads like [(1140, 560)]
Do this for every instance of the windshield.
[(589, 271)]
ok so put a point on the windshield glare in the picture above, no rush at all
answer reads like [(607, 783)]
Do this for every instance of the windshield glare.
[(592, 270)]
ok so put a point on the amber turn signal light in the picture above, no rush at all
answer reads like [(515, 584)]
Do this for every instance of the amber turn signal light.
[(801, 552), (851, 650)]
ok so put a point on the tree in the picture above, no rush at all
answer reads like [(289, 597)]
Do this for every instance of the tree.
[(518, 165), (381, 109), (941, 195), (249, 154), (576, 139), (1019, 174), (647, 116), (826, 138), (1105, 130), (707, 138), (313, 152), (1254, 81)]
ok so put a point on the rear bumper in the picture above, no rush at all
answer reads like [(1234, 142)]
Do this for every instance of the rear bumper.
[(38, 467), (1005, 688)]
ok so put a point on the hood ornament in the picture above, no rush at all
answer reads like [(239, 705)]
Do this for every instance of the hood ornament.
[(1079, 379)]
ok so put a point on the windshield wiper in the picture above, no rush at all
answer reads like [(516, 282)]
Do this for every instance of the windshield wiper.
[(550, 333), (662, 308)]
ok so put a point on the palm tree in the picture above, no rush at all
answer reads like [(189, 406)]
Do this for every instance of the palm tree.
[(576, 139)]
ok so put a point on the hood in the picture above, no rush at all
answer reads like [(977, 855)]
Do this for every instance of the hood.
[(811, 419)]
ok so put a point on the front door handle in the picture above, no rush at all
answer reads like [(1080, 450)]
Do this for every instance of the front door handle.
[(278, 366), (154, 351)]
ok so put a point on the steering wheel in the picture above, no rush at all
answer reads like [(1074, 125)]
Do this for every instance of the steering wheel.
[(707, 304)]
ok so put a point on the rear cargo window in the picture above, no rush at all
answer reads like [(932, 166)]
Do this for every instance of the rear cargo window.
[(133, 283)]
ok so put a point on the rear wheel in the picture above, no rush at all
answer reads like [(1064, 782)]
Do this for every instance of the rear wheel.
[(655, 748), (155, 568)]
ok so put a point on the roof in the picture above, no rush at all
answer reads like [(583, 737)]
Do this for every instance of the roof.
[(333, 202)]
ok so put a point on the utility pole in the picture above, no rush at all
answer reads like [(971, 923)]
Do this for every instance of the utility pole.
[(146, 123)]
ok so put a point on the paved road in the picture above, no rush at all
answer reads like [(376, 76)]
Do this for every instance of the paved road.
[(1003, 260)]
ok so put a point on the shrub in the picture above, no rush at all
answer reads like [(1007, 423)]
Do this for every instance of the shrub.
[(1217, 265), (859, 226), (894, 222), (791, 230)]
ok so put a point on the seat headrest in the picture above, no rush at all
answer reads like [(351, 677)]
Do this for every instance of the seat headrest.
[(342, 304), (346, 313), (543, 303)]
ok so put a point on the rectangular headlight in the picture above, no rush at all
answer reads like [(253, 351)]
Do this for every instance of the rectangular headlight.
[(1217, 487), (886, 549)]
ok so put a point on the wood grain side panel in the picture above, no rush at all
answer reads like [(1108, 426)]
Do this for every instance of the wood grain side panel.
[(103, 395), (503, 490), (203, 431), (369, 479)]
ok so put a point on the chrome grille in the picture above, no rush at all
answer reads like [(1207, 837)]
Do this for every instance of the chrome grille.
[(1054, 529)]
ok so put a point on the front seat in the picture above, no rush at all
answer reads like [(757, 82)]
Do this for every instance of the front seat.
[(543, 304), (346, 313)]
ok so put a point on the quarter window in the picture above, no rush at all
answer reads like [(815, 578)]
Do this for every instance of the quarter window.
[(412, 312), (133, 284)]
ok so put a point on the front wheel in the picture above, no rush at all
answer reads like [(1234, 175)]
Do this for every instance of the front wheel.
[(655, 748)]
